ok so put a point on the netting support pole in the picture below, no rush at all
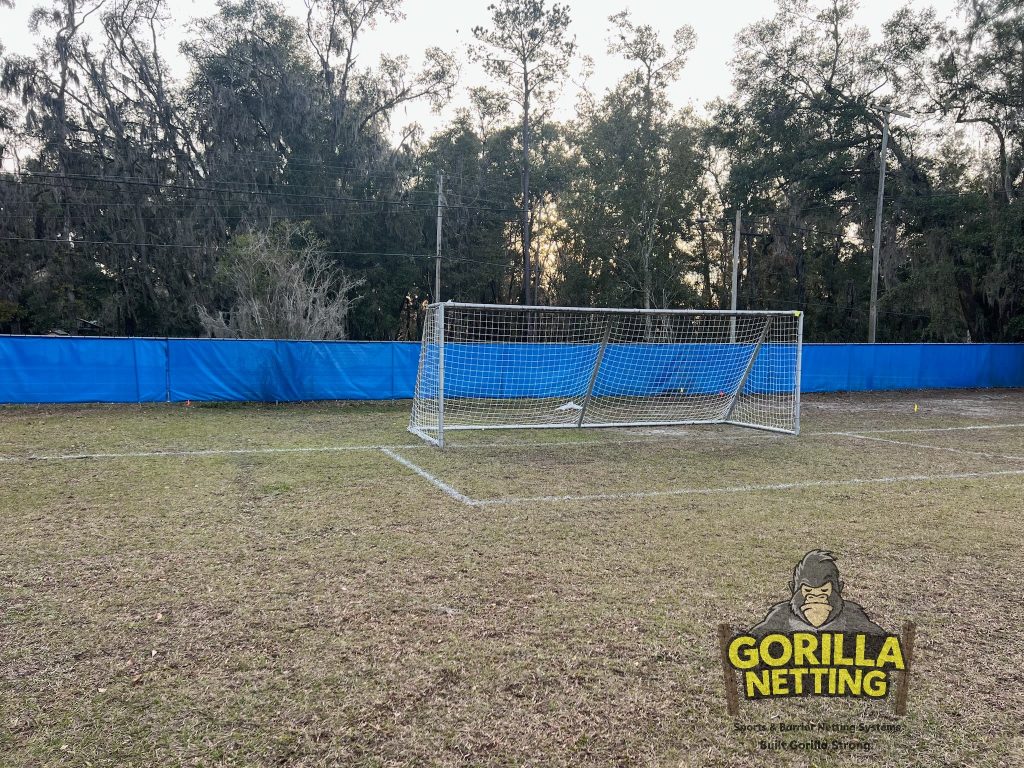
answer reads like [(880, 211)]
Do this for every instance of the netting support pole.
[(440, 378), (735, 275), (437, 252), (597, 368), (749, 368)]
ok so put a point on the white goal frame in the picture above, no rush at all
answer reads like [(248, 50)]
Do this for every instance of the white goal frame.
[(491, 366)]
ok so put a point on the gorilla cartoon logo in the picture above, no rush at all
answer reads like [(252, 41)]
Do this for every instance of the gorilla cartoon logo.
[(817, 603)]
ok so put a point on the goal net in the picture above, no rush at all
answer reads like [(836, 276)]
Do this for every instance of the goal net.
[(522, 367)]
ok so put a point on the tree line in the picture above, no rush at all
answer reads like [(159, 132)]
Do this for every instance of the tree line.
[(272, 191)]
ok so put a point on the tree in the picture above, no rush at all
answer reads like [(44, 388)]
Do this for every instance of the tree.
[(279, 284), (105, 131), (640, 173), (979, 80), (801, 142), (527, 51), (362, 98)]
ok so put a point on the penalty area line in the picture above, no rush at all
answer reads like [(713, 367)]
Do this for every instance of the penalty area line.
[(434, 481), (748, 488)]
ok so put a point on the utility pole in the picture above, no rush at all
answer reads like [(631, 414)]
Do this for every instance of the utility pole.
[(437, 253), (873, 313), (735, 273)]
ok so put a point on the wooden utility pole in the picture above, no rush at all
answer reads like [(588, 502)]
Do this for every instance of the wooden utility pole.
[(735, 273), (873, 313), (437, 252)]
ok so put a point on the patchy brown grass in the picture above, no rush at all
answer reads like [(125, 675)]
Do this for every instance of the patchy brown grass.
[(332, 608)]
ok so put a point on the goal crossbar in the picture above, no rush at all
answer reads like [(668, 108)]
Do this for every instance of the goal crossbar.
[(486, 366), (617, 310)]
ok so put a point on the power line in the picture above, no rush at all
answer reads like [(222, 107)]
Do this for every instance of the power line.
[(834, 306), (29, 177), (222, 246), (298, 208)]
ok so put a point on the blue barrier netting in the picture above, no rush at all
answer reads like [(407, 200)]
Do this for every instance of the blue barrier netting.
[(863, 367), (533, 370), (58, 369), (45, 369), (276, 371)]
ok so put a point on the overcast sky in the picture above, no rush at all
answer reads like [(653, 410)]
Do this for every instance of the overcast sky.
[(448, 25)]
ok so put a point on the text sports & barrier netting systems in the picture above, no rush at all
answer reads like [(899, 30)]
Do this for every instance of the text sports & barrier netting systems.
[(525, 367)]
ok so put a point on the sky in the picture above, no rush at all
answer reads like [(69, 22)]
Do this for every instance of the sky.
[(448, 25)]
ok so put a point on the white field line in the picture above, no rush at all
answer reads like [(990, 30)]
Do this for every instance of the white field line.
[(696, 432), (474, 446), (920, 429), (434, 481), (210, 452), (327, 449), (747, 488), (964, 451)]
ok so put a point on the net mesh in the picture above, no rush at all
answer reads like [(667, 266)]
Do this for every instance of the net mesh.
[(535, 367)]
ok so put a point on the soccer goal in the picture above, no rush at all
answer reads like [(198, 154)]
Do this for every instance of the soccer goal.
[(488, 366)]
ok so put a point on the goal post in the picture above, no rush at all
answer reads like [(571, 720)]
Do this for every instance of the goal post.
[(486, 366)]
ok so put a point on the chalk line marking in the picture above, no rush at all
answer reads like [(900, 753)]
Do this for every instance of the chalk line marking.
[(964, 451), (434, 481), (473, 446), (209, 452), (697, 435), (921, 429), (468, 501), (747, 488)]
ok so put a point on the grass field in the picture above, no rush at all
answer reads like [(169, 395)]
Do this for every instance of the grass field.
[(310, 585)]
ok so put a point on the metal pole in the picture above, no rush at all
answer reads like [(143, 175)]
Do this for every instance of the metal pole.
[(748, 369), (437, 253), (440, 377), (799, 366), (873, 314), (597, 368), (607, 311), (735, 274)]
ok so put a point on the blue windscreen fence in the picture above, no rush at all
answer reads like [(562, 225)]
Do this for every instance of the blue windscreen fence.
[(54, 369), (560, 370)]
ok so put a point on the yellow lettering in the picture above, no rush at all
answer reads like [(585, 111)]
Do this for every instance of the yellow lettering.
[(742, 652), (805, 646), (859, 658), (849, 682), (760, 681), (819, 672), (766, 646), (798, 680), (838, 657), (780, 685), (891, 653), (876, 683)]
